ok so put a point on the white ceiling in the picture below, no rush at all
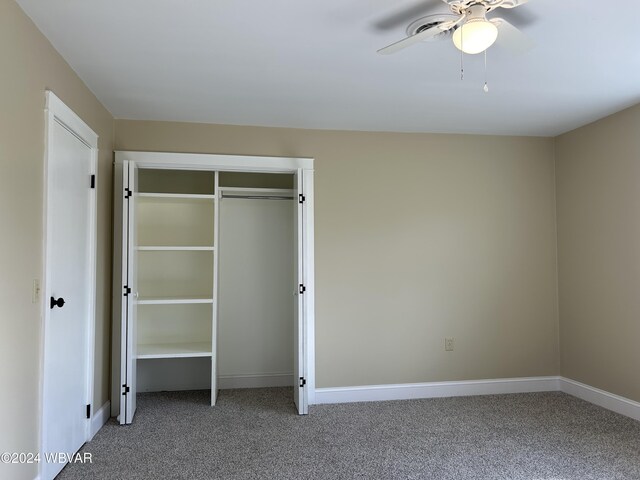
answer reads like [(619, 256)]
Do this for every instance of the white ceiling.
[(313, 64)]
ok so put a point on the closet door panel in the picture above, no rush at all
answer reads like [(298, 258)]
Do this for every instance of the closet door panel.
[(216, 284), (299, 390), (124, 293), (120, 213), (132, 289)]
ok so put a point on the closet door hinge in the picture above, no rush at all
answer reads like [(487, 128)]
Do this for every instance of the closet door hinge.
[(303, 381), (125, 389), (89, 411), (93, 181), (301, 198), (302, 289), (127, 291), (127, 193)]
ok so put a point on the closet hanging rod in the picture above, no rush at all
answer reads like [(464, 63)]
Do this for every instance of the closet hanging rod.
[(258, 197)]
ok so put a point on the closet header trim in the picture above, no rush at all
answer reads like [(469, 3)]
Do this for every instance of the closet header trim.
[(226, 163)]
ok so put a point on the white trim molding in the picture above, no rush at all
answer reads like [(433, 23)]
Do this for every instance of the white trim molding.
[(408, 391), (255, 381), (227, 163), (100, 418), (70, 120), (610, 401)]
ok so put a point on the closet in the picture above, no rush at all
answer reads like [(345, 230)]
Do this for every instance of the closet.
[(213, 275)]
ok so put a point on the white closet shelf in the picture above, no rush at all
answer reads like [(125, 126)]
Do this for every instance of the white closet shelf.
[(177, 196), (186, 248), (255, 190), (172, 300), (173, 350)]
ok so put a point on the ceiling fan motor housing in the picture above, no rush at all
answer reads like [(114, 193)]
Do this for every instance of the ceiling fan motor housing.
[(465, 7)]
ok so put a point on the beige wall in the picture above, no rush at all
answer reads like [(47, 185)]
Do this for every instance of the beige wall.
[(418, 237), (598, 185), (29, 66)]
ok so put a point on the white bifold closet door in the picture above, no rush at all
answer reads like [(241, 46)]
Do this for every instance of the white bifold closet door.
[(300, 391), (125, 279)]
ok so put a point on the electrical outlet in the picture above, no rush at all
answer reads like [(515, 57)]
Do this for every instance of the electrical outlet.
[(448, 344), (35, 293)]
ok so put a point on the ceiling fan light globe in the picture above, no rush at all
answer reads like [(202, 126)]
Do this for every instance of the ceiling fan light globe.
[(475, 36)]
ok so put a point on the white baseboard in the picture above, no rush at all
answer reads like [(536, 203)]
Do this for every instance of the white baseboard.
[(100, 418), (604, 399), (407, 391), (255, 381)]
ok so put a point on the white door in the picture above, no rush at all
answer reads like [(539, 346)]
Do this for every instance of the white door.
[(300, 388), (129, 292), (69, 296)]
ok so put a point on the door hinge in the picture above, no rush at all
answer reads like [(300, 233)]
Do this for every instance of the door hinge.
[(302, 289), (93, 181), (125, 389), (303, 381), (89, 411), (301, 198), (127, 291), (127, 193)]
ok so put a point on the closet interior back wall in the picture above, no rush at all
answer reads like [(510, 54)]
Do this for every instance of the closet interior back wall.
[(256, 288)]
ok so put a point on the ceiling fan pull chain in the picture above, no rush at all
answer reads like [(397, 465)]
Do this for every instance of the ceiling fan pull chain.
[(461, 58), (486, 85)]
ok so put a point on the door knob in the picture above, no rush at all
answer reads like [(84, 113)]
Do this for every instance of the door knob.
[(59, 302)]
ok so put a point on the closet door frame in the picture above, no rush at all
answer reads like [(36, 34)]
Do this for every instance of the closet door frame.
[(302, 167)]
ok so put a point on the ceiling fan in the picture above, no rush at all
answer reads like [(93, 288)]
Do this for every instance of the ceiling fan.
[(472, 32)]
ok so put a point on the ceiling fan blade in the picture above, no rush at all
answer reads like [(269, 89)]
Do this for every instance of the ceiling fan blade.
[(510, 38), (404, 16), (418, 37), (512, 3), (407, 42)]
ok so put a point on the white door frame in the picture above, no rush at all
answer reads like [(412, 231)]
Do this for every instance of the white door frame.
[(57, 112), (256, 164)]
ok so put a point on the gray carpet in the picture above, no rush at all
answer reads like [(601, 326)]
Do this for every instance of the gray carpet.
[(255, 434)]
